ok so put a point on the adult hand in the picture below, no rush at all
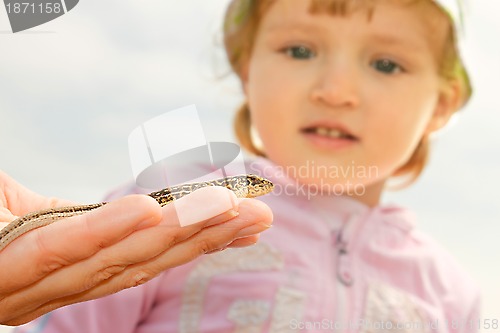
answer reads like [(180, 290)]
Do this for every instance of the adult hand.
[(120, 245)]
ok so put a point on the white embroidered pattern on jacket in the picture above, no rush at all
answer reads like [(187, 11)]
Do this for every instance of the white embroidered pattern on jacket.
[(249, 315), (260, 257), (289, 305), (391, 309)]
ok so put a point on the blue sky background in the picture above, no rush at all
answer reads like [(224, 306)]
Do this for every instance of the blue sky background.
[(73, 89)]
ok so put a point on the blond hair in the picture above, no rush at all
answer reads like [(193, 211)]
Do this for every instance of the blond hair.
[(241, 23)]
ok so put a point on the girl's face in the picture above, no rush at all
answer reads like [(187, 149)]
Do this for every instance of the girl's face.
[(346, 97)]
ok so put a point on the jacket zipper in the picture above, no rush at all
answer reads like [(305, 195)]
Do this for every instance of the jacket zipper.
[(343, 281)]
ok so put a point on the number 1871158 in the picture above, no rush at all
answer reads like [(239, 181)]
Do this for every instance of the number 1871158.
[(32, 8)]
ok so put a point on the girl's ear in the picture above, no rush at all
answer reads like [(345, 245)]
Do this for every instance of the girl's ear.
[(448, 103)]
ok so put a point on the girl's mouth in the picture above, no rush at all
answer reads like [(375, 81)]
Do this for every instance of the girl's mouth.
[(334, 133), (330, 137)]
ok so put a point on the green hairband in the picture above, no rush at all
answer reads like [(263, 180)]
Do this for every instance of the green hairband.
[(455, 10), (239, 11)]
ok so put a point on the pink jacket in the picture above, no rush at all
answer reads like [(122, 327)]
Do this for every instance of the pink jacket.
[(328, 264)]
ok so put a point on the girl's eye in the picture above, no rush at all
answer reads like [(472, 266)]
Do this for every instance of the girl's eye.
[(387, 66), (299, 52)]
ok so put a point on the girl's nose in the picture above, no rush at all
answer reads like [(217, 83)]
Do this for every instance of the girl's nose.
[(336, 86)]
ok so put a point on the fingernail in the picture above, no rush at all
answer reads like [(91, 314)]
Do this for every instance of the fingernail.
[(217, 250), (204, 204), (253, 229)]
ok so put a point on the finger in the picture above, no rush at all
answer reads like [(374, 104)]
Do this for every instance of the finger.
[(252, 213), (203, 204), (41, 251), (138, 247), (66, 283), (254, 218)]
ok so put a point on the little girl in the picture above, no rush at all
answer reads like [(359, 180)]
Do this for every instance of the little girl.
[(341, 97)]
